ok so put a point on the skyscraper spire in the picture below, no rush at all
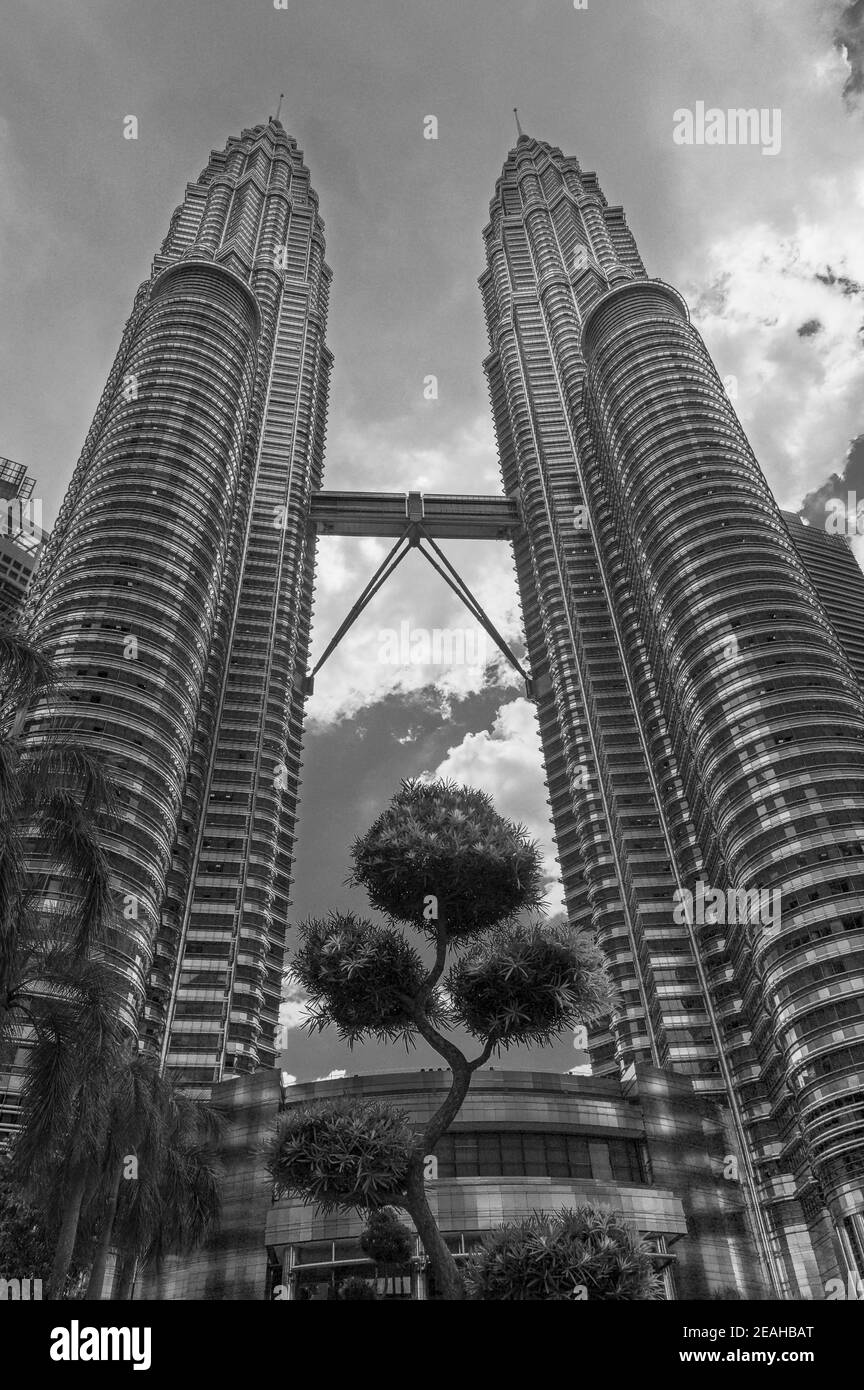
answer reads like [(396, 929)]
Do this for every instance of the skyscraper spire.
[(279, 107), (518, 126)]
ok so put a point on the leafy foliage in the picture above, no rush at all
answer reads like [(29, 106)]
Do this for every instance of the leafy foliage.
[(357, 975), (355, 1287), (441, 840), (55, 803), (386, 1239), (525, 984), (26, 1245), (174, 1204), (77, 1046), (343, 1155), (27, 1238), (554, 1257)]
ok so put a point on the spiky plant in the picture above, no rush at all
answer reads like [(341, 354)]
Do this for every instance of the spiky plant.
[(442, 861), (527, 984), (341, 1155), (586, 1253), (387, 1240), (437, 839), (358, 976)]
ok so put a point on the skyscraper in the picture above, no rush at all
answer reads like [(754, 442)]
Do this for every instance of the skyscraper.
[(702, 726), (176, 595), (838, 580)]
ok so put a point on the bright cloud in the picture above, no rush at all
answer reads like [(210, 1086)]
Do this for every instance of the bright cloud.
[(506, 762), (293, 1010), (798, 394)]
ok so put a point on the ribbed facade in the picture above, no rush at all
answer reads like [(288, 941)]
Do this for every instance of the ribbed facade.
[(176, 594), (838, 580), (699, 716)]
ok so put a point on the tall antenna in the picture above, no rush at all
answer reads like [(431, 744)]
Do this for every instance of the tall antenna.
[(279, 107), (518, 126)]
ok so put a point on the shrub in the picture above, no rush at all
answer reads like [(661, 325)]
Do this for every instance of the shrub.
[(581, 1253)]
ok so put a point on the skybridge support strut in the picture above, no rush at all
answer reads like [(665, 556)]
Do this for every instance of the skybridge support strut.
[(412, 538)]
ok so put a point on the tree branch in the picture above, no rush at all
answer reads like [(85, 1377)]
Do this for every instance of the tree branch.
[(446, 1049), (437, 969), (484, 1055)]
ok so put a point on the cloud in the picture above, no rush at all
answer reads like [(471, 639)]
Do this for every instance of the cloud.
[(294, 1008), (838, 486), (849, 40), (783, 316), (335, 1075), (506, 762)]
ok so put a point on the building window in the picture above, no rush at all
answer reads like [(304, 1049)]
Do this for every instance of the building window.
[(510, 1153)]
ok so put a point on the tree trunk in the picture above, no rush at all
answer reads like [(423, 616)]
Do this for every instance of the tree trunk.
[(124, 1280), (447, 1277), (96, 1282), (68, 1231)]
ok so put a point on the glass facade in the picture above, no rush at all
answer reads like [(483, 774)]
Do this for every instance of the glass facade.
[(509, 1153)]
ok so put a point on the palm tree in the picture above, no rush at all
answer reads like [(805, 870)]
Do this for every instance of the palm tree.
[(55, 802), (174, 1205), (76, 1046), (137, 1106), (57, 991)]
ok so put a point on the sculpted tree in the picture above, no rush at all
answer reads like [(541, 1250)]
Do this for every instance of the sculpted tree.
[(441, 862)]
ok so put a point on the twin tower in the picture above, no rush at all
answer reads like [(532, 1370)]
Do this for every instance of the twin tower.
[(702, 726)]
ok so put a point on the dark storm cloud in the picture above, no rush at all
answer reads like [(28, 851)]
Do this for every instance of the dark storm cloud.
[(847, 287), (813, 508), (849, 39), (810, 328)]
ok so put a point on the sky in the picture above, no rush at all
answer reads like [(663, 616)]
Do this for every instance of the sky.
[(767, 249)]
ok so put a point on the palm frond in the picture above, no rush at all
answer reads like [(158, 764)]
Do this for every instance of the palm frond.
[(25, 671)]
